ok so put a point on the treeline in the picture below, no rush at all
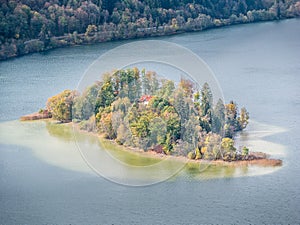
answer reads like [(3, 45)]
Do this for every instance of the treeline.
[(136, 108), (31, 26)]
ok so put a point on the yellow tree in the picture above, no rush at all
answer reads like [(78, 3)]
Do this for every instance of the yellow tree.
[(60, 106), (243, 118)]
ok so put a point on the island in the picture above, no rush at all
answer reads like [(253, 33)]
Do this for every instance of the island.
[(141, 111)]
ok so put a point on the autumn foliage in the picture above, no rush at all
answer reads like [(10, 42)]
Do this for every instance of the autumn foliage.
[(139, 109)]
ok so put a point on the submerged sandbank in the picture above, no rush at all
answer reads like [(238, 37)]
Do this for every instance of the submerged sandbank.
[(62, 146), (255, 158)]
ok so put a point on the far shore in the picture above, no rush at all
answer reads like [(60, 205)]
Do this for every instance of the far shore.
[(259, 158), (103, 37)]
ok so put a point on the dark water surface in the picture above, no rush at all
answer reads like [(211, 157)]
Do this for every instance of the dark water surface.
[(257, 65)]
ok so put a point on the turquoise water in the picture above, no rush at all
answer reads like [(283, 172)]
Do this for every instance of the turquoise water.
[(257, 65)]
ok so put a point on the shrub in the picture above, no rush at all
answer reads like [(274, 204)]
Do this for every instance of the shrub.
[(245, 151), (191, 155)]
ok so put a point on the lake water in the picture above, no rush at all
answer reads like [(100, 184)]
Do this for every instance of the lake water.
[(47, 182)]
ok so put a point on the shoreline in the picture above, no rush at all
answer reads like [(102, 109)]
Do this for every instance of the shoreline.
[(260, 158), (263, 160), (65, 42)]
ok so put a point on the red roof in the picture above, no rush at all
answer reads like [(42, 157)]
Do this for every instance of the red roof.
[(145, 98)]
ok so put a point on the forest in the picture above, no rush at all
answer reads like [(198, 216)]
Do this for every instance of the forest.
[(141, 110), (31, 26)]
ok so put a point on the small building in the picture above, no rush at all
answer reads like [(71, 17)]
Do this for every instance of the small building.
[(145, 99)]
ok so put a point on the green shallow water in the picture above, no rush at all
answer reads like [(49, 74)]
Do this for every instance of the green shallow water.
[(62, 146)]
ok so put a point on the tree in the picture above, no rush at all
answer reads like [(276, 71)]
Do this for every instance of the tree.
[(180, 105), (230, 118), (228, 149), (121, 104), (233, 121), (141, 127), (150, 83), (106, 95), (218, 118), (168, 145), (243, 119), (211, 149), (187, 86), (245, 151), (158, 131), (108, 5), (90, 30), (115, 17), (174, 127), (189, 135), (167, 89), (123, 135), (206, 100), (104, 123), (60, 106), (126, 83), (84, 105)]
